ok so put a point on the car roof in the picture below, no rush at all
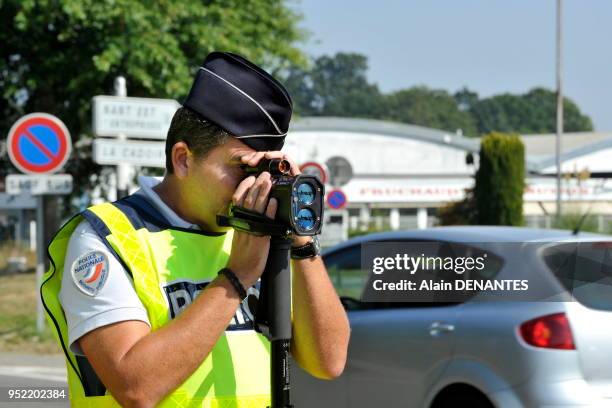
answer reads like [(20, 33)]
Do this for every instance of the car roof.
[(469, 233)]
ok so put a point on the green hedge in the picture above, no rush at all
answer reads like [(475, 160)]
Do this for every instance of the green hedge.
[(500, 180)]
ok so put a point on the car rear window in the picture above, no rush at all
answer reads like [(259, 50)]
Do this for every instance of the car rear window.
[(585, 270)]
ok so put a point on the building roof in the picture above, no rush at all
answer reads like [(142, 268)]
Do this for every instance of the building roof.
[(381, 127), (543, 145), (539, 148)]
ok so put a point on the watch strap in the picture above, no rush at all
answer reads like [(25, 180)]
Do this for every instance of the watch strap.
[(309, 250)]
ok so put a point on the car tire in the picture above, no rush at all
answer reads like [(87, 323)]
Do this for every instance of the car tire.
[(465, 398)]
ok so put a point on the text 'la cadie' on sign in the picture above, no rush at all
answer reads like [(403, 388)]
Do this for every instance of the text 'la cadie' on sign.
[(133, 152), (39, 145)]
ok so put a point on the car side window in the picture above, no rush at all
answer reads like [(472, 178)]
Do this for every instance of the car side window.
[(437, 249), (350, 280), (344, 269)]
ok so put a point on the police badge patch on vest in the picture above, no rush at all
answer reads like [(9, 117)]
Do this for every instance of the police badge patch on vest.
[(180, 294), (89, 272)]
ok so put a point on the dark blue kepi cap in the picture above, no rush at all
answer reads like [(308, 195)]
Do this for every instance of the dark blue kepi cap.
[(242, 99)]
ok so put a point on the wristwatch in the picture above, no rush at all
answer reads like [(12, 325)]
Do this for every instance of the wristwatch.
[(310, 250)]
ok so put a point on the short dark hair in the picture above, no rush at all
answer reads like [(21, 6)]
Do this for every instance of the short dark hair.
[(200, 135)]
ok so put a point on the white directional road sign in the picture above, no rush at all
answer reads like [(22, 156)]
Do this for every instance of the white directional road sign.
[(134, 117), (38, 184), (17, 202), (137, 153)]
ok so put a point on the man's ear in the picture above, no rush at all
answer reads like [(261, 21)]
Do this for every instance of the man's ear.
[(181, 159)]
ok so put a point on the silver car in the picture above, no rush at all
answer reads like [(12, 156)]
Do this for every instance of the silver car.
[(471, 354)]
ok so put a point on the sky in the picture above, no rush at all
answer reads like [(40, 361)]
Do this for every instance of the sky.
[(490, 46)]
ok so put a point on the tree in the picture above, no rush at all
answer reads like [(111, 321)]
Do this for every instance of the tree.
[(56, 55), (429, 107), (463, 212), (335, 86), (532, 112), (500, 180), (465, 99), (338, 86)]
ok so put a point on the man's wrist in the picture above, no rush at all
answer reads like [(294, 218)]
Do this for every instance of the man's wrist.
[(299, 241), (222, 281), (310, 249), (234, 281)]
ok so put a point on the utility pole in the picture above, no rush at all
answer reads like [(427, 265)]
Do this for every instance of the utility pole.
[(123, 169), (559, 102)]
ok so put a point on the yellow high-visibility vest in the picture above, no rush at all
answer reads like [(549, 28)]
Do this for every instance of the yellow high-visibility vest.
[(169, 266)]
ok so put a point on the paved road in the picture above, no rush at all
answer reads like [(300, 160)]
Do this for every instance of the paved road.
[(31, 371)]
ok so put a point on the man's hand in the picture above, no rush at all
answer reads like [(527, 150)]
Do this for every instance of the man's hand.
[(253, 159), (249, 252)]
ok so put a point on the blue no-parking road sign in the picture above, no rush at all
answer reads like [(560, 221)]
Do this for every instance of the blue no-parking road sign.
[(336, 199), (39, 143)]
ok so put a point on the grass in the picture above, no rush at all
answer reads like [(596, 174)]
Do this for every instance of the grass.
[(10, 249), (18, 297)]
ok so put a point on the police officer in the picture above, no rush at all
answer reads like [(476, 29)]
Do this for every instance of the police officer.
[(152, 302)]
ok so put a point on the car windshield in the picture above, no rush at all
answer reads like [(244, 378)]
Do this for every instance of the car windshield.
[(585, 270)]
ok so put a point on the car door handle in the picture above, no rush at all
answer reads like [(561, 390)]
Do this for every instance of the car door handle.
[(438, 328)]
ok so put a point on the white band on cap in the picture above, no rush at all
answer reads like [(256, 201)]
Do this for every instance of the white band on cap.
[(252, 100)]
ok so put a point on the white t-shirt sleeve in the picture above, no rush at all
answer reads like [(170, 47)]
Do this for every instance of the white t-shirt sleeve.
[(115, 298)]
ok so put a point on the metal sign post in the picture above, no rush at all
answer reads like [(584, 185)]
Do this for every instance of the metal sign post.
[(40, 260), (123, 169)]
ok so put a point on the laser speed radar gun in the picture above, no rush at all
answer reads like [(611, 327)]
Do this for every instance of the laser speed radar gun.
[(300, 198)]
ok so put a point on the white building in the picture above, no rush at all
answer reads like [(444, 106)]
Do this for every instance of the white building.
[(402, 173)]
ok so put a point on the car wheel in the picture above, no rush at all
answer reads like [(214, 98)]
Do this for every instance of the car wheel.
[(461, 397)]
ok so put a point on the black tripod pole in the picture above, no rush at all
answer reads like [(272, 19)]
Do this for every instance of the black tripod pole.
[(275, 313)]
